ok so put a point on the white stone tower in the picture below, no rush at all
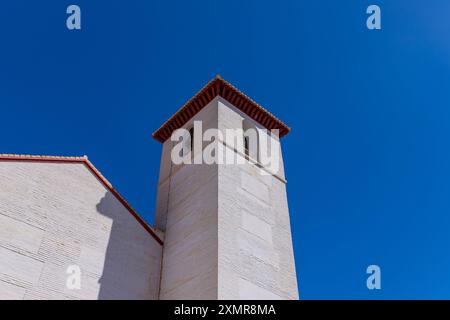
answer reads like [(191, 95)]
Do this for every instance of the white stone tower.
[(226, 227)]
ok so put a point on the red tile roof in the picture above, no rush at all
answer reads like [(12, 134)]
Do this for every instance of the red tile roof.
[(84, 160), (219, 87)]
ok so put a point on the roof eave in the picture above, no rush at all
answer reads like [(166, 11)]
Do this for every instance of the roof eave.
[(219, 87)]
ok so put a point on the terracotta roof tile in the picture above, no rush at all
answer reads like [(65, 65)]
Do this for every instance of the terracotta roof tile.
[(219, 87), (93, 169)]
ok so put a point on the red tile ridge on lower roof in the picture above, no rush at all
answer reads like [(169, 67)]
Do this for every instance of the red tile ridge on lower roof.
[(84, 160)]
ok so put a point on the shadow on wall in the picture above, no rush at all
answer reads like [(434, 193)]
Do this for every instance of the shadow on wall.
[(131, 258)]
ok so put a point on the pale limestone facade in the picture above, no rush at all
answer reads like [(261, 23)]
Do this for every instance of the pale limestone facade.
[(55, 215), (227, 229), (222, 231)]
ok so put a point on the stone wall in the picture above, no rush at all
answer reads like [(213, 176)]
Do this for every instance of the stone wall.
[(187, 210), (255, 253), (54, 215), (227, 228)]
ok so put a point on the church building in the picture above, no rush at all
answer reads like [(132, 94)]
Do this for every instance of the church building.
[(221, 230)]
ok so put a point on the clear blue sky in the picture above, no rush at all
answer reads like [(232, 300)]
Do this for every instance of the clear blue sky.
[(367, 161)]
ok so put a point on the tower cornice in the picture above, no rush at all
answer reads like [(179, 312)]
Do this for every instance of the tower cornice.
[(219, 87)]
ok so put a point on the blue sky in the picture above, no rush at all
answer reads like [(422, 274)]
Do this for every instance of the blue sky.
[(368, 158)]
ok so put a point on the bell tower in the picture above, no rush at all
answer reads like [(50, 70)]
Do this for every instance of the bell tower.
[(226, 223)]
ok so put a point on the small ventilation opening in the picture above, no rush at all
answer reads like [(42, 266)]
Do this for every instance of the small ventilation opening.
[(246, 145)]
